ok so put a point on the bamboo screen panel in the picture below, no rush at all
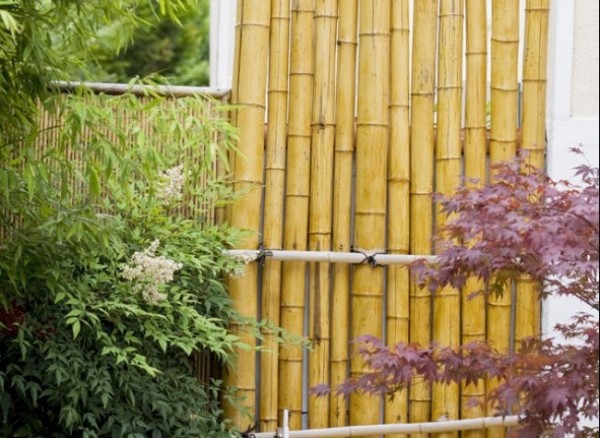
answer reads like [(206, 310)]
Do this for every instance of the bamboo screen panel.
[(371, 107), (141, 127)]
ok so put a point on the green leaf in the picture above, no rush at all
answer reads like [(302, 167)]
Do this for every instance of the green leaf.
[(76, 329)]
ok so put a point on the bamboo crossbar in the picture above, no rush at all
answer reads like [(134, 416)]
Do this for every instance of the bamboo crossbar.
[(387, 429), (370, 258), (143, 90)]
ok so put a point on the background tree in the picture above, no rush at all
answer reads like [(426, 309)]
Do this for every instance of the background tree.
[(524, 223), (176, 48)]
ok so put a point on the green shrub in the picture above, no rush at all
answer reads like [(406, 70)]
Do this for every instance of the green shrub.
[(106, 290)]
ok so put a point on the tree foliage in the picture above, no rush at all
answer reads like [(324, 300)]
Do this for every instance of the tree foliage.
[(177, 49), (522, 224)]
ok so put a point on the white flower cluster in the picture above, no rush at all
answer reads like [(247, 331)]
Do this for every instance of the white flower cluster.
[(150, 272), (240, 269), (170, 185)]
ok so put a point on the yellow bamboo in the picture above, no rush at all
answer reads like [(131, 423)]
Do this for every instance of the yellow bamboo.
[(296, 205), (342, 202), (473, 309), (248, 91), (503, 144), (273, 204), (446, 310), (398, 216), (320, 224), (371, 170), (533, 142), (421, 182)]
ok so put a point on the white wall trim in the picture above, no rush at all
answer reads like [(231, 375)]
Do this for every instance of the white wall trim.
[(222, 41)]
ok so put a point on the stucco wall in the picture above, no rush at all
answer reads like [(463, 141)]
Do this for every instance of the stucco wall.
[(584, 87)]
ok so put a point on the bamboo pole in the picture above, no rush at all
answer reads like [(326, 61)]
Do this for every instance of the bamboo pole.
[(273, 204), (446, 311), (533, 142), (331, 257), (342, 202), (296, 205), (421, 182), (371, 169), (473, 308), (248, 92), (387, 429), (320, 204), (398, 215), (503, 145)]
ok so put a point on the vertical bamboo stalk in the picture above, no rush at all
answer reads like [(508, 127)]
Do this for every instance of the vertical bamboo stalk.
[(296, 205), (473, 309), (273, 205), (371, 169), (421, 182), (398, 219), (342, 202), (446, 311), (320, 203), (503, 145), (248, 92), (533, 142)]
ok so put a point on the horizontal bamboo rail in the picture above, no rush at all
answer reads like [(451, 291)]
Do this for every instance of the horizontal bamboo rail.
[(373, 259), (142, 90), (387, 429)]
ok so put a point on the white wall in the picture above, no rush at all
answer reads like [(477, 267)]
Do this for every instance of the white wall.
[(222, 40), (572, 114)]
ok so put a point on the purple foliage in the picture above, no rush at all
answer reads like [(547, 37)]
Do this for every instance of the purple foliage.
[(523, 223)]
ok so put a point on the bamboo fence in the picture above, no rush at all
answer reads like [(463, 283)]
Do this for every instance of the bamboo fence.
[(353, 151), (365, 122)]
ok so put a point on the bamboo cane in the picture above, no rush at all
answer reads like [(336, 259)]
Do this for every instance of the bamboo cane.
[(421, 182), (342, 202), (273, 204), (533, 142), (446, 312), (248, 91), (320, 204), (371, 170), (473, 308), (503, 144), (296, 205), (398, 219)]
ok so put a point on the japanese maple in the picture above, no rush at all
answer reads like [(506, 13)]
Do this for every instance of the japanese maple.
[(523, 223)]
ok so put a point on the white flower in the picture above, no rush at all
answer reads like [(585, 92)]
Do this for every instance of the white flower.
[(149, 271), (170, 185)]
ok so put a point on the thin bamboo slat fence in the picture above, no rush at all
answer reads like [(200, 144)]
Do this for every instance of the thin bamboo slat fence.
[(371, 126)]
